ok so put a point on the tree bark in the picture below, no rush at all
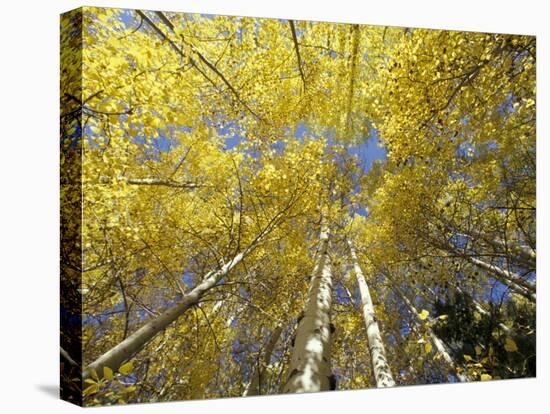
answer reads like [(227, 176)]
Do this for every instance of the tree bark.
[(65, 355), (484, 312), (310, 369), (151, 181), (381, 369), (521, 254), (135, 342), (255, 385), (440, 346), (511, 279), (515, 282)]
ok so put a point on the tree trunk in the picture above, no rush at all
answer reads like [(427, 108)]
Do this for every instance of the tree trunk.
[(310, 369), (255, 385), (135, 342), (485, 312), (440, 346), (479, 307), (522, 254), (382, 372), (511, 279)]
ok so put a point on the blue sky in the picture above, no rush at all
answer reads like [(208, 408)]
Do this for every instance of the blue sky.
[(368, 150)]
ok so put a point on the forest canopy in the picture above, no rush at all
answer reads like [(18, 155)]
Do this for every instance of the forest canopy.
[(256, 206)]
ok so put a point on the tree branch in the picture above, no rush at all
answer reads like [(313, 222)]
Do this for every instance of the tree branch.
[(297, 49)]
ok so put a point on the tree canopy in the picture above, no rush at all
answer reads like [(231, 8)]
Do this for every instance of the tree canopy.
[(257, 206)]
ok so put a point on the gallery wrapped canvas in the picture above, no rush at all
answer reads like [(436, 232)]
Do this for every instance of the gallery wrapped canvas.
[(259, 206)]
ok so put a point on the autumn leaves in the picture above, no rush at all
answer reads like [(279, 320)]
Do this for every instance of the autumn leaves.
[(200, 256)]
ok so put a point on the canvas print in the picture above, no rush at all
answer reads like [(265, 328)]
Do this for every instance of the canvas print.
[(258, 206)]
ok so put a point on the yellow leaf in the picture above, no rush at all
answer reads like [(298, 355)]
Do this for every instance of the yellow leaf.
[(428, 347), (107, 373), (478, 349), (467, 358), (126, 368), (93, 374), (424, 314), (131, 388), (510, 345), (443, 317), (486, 377), (92, 389)]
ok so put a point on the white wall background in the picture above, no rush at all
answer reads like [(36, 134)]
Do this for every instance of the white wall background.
[(29, 204)]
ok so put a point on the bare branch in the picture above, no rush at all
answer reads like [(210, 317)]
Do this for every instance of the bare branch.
[(297, 49)]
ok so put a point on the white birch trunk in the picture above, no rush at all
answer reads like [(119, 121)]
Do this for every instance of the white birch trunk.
[(484, 312), (67, 357), (309, 368), (135, 342), (233, 317), (520, 254), (439, 345), (255, 385), (381, 369), (479, 307), (523, 254), (511, 279)]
